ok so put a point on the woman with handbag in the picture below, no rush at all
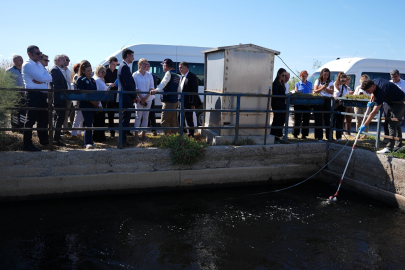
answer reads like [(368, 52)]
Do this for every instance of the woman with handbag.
[(340, 90), (86, 82), (144, 83)]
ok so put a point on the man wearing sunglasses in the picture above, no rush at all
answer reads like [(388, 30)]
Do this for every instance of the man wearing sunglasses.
[(44, 60), (35, 76)]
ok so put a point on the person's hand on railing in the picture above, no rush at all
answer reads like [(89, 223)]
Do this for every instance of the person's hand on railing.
[(370, 104), (362, 128), (153, 92)]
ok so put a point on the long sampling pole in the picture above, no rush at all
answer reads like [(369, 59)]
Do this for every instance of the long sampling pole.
[(333, 198)]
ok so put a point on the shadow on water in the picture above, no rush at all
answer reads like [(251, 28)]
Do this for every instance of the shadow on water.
[(204, 229)]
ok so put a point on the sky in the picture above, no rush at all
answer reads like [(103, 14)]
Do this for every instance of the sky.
[(303, 31)]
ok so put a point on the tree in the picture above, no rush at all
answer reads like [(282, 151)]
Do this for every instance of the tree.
[(8, 97), (317, 64)]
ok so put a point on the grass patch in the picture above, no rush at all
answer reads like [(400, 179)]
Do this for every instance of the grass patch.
[(399, 154), (357, 97)]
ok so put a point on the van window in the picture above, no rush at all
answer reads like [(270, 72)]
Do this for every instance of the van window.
[(157, 69), (197, 69), (352, 81), (377, 75), (315, 76)]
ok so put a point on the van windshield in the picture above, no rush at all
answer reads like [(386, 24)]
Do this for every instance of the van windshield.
[(315, 76)]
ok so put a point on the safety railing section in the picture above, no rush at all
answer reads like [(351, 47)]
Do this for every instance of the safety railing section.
[(106, 96)]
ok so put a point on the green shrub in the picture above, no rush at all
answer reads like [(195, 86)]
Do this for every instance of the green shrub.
[(184, 150), (8, 96), (399, 154), (356, 97)]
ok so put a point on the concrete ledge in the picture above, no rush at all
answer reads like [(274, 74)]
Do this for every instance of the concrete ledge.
[(381, 171), (370, 191), (31, 186)]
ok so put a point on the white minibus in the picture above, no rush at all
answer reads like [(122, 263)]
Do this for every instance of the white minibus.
[(355, 67), (155, 54)]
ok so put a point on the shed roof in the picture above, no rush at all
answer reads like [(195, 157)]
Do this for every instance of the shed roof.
[(241, 46)]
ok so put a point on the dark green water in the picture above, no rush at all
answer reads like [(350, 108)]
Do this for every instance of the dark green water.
[(204, 229)]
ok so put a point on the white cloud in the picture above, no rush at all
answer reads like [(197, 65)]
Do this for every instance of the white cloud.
[(1, 55), (12, 54)]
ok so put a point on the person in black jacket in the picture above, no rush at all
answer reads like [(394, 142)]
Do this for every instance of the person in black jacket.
[(189, 84), (58, 82), (126, 83), (86, 82), (278, 103)]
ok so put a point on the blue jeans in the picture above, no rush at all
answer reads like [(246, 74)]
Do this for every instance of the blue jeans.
[(88, 121)]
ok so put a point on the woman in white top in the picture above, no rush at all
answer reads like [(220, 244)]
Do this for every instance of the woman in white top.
[(349, 118), (99, 118), (340, 91), (144, 83), (361, 110), (324, 87)]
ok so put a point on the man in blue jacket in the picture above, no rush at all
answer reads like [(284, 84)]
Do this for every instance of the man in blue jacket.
[(169, 84)]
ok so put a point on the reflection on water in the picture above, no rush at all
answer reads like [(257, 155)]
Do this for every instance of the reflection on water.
[(204, 229)]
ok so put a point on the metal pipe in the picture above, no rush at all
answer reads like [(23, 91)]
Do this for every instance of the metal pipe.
[(267, 117), (237, 119)]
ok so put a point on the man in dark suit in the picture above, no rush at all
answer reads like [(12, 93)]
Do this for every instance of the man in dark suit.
[(58, 82), (126, 83), (189, 84)]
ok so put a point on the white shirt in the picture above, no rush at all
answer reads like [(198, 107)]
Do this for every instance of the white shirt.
[(360, 91), (67, 73), (35, 71), (336, 92), (287, 88), (400, 84), (144, 83), (183, 79), (323, 92), (101, 86)]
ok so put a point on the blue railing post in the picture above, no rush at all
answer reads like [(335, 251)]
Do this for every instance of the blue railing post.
[(287, 117), (332, 117), (120, 124), (181, 114), (267, 117), (377, 138), (237, 119)]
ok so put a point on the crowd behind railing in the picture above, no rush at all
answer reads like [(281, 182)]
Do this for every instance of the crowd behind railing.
[(140, 88)]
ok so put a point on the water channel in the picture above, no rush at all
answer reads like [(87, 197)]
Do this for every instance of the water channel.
[(219, 228)]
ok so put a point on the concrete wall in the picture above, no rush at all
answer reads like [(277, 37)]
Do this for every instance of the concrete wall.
[(380, 176), (25, 174)]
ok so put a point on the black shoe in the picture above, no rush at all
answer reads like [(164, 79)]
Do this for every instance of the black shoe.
[(112, 136), (45, 142), (31, 148), (59, 143), (304, 137), (296, 136)]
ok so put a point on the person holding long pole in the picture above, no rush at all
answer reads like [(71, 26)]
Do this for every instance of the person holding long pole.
[(382, 90)]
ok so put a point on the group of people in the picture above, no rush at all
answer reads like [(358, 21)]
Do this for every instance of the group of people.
[(381, 91), (32, 74)]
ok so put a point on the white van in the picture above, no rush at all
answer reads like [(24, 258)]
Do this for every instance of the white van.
[(355, 67), (155, 54)]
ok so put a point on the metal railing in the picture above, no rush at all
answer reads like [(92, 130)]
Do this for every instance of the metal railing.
[(182, 112)]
